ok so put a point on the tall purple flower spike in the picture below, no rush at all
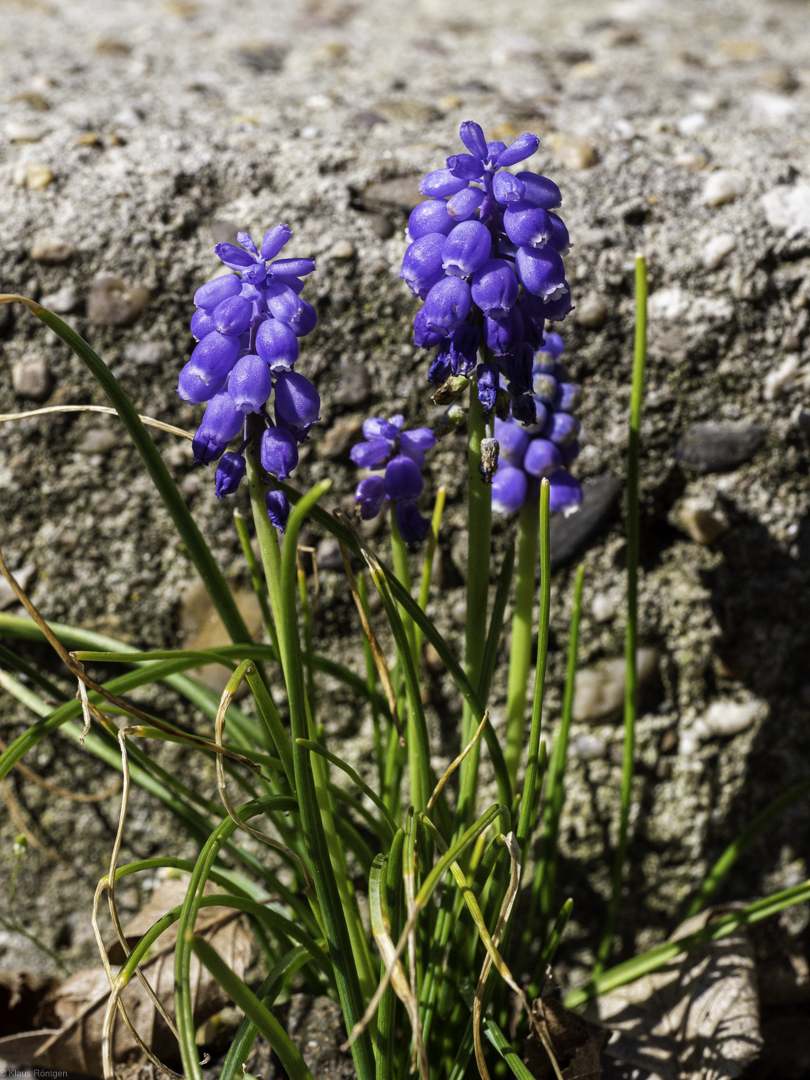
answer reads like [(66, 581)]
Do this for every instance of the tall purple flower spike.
[(401, 454), (247, 325)]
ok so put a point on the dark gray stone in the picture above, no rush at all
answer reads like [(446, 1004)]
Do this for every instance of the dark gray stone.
[(714, 447), (569, 535), (261, 56)]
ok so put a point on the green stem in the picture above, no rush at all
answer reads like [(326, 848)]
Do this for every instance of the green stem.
[(479, 542), (265, 533), (427, 566), (520, 654), (371, 683), (631, 637), (259, 586), (399, 551)]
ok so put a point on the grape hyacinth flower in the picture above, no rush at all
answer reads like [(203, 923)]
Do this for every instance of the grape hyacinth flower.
[(247, 325), (486, 257), (401, 454), (544, 448)]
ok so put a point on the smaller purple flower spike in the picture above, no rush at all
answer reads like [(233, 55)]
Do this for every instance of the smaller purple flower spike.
[(232, 467), (278, 508), (568, 397), (402, 454), (369, 497), (431, 216), (221, 422), (509, 487), (554, 346), (566, 493), (279, 452)]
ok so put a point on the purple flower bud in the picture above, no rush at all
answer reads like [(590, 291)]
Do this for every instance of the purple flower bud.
[(431, 216), (570, 453), (524, 410), (234, 257), (542, 458), (544, 385), (414, 443), (274, 241), (297, 401), (279, 452), (519, 370), (464, 203), (568, 397), (305, 321), (291, 281), (465, 166), (232, 316), (250, 383), (554, 346), (422, 264), (372, 454), (447, 304), (214, 292), (255, 274), (488, 382), (377, 427), (441, 183), (513, 440), (201, 324), (509, 486), (505, 334), (493, 149), (221, 422), (561, 428), (472, 135), (540, 191), (277, 344), (293, 267), (214, 356), (246, 240), (440, 368), (413, 527), (403, 478), (466, 249), (463, 349), (369, 497), (525, 224), (556, 310), (282, 302), (278, 508), (541, 272), (566, 493), (523, 147), (424, 336), (231, 469), (195, 390), (507, 188), (495, 288), (559, 238)]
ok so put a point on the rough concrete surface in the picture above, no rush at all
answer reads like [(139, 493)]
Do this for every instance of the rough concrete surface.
[(135, 133)]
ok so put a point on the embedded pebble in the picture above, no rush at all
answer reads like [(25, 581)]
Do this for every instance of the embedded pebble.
[(574, 154), (19, 132), (146, 352), (727, 717), (99, 441), (114, 302), (603, 607), (689, 125), (355, 383), (341, 249), (570, 534), (402, 192), (32, 175), (22, 577), (63, 301), (130, 116), (787, 209), (328, 556), (801, 418), (588, 747), (339, 438), (592, 312), (31, 378), (717, 249), (780, 380), (691, 160), (713, 447), (51, 251), (722, 187), (702, 524), (599, 690)]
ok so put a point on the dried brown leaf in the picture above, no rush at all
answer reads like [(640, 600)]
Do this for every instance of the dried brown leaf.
[(74, 1011), (695, 1019), (578, 1052)]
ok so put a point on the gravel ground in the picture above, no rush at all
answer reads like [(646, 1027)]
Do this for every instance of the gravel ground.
[(135, 133)]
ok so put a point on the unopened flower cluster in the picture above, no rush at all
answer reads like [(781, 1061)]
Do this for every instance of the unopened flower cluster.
[(247, 328)]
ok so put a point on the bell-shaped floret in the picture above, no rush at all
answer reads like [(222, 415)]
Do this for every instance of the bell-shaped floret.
[(507, 188), (440, 368), (296, 400), (221, 422), (544, 385), (403, 478), (541, 272), (493, 149), (372, 454), (277, 344), (540, 191), (525, 224), (519, 369), (542, 458), (424, 336), (463, 204), (292, 267), (415, 442), (523, 147), (447, 305), (282, 302), (201, 323), (369, 497), (495, 288), (466, 166), (512, 439), (430, 216), (568, 397), (274, 241), (279, 452), (211, 294), (232, 316), (305, 321), (413, 527), (466, 249), (509, 486), (559, 238), (556, 310), (566, 493), (214, 356), (195, 390), (463, 349), (231, 469), (234, 257), (561, 428), (422, 263), (250, 383), (472, 135), (441, 183), (278, 508)]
